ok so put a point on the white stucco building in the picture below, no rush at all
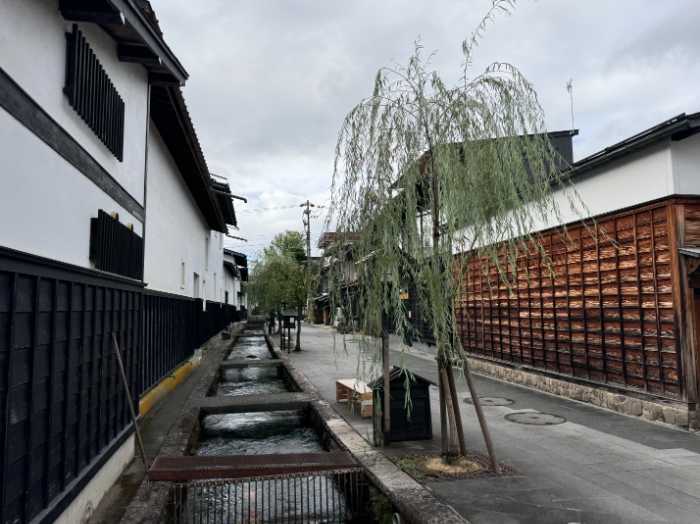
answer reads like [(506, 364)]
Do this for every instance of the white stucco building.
[(106, 203), (235, 278)]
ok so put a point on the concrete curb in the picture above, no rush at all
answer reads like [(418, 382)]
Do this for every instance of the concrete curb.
[(165, 386)]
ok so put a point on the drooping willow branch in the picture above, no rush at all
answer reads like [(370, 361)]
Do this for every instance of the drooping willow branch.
[(486, 141)]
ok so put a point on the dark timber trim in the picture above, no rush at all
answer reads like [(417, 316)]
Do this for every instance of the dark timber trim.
[(32, 116), (127, 24), (21, 262)]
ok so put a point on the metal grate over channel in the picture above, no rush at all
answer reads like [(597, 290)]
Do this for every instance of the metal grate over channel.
[(331, 496)]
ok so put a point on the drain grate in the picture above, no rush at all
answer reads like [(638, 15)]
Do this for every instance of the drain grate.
[(492, 401), (535, 418)]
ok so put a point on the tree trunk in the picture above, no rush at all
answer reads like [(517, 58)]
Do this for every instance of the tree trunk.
[(480, 416), (457, 414), (452, 442), (448, 408)]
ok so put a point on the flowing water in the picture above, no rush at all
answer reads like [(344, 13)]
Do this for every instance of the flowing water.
[(252, 348), (315, 498), (266, 432), (251, 381)]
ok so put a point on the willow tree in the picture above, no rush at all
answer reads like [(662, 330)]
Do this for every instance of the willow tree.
[(424, 170)]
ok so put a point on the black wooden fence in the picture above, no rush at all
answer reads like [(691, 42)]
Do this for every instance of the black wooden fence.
[(62, 403), (174, 327)]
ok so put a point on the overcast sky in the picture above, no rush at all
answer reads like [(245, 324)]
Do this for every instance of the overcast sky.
[(270, 81)]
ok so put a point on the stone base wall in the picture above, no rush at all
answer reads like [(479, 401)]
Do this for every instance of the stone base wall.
[(669, 412)]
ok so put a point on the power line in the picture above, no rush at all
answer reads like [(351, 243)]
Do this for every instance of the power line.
[(277, 208), (263, 209)]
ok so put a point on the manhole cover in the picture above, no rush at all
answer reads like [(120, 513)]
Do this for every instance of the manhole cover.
[(252, 357), (535, 418), (491, 401)]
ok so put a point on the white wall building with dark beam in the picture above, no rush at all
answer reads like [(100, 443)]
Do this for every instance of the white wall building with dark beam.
[(105, 198), (62, 173), (235, 277), (184, 256)]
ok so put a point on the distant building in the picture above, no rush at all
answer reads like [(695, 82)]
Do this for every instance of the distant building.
[(337, 261), (235, 279)]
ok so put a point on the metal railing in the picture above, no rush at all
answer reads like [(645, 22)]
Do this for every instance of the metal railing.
[(335, 496)]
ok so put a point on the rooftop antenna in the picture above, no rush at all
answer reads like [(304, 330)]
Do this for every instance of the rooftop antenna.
[(570, 89)]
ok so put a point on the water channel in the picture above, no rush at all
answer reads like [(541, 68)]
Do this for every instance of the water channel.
[(313, 498)]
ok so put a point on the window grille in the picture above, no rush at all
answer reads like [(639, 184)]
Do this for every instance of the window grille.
[(114, 247), (91, 93)]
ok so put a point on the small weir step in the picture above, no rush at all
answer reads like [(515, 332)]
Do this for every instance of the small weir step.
[(252, 403), (248, 363), (181, 469)]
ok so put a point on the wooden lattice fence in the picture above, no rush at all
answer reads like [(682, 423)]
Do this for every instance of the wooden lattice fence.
[(599, 303)]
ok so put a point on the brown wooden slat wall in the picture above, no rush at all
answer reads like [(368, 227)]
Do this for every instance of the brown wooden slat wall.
[(597, 312), (691, 225)]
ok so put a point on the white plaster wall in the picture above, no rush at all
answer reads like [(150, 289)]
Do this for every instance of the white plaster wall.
[(639, 178), (33, 53), (176, 231), (231, 285), (634, 180), (215, 282), (87, 501), (47, 204), (686, 165)]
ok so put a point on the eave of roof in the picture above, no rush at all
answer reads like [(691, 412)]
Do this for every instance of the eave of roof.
[(693, 252), (232, 268), (170, 115), (127, 24), (234, 254), (676, 128), (331, 237), (152, 39), (223, 195)]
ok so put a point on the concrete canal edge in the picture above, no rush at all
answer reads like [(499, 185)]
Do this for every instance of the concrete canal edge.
[(415, 502)]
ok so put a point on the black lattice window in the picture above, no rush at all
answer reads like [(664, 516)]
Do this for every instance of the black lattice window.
[(92, 94), (114, 247)]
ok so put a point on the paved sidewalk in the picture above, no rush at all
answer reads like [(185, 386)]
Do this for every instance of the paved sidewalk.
[(597, 467)]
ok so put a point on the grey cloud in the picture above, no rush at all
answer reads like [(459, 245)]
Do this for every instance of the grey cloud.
[(271, 80)]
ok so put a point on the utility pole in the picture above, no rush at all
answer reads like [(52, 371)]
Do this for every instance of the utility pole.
[(306, 219)]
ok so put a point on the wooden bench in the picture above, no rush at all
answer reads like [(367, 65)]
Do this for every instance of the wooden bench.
[(356, 393)]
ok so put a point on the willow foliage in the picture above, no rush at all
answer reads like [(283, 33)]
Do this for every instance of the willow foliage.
[(476, 151)]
